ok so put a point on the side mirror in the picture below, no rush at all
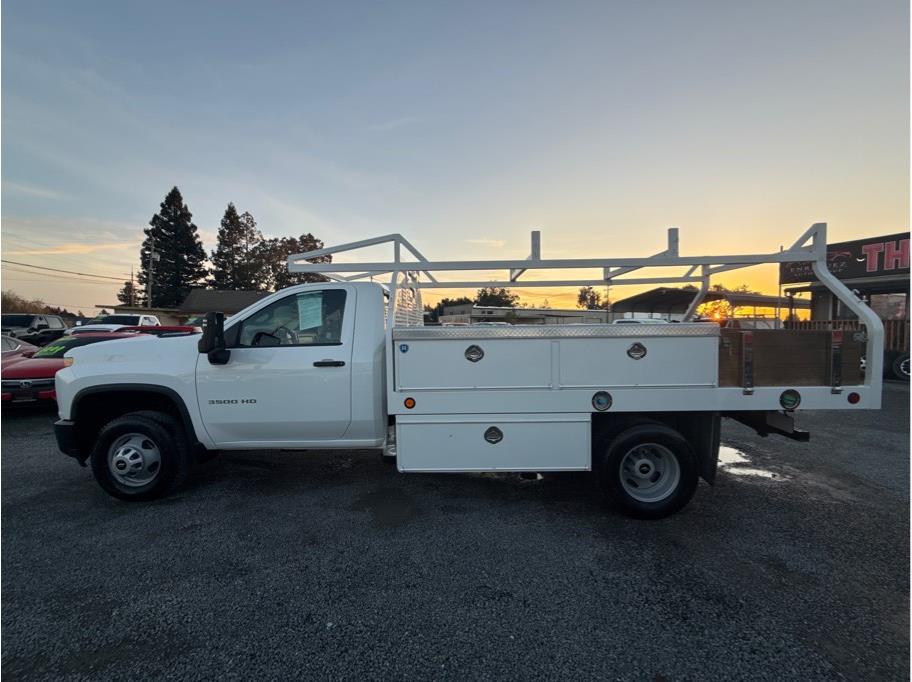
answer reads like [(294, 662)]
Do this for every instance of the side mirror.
[(212, 342)]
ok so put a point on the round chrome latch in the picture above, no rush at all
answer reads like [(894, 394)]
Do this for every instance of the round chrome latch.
[(637, 351), (474, 353), (493, 435)]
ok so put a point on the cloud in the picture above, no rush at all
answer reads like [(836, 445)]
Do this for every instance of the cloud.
[(493, 243), (72, 249), (32, 190)]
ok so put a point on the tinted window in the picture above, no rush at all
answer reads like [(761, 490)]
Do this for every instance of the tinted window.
[(18, 320), (55, 322), (131, 320), (304, 319), (57, 348)]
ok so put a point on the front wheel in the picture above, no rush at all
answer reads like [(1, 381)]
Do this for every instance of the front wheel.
[(140, 456), (648, 471)]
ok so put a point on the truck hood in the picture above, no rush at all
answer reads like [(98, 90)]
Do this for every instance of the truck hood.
[(31, 368), (146, 348)]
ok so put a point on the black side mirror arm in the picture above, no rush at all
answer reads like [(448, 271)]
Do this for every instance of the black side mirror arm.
[(212, 342)]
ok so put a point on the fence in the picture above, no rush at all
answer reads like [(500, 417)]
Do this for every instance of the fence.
[(896, 332)]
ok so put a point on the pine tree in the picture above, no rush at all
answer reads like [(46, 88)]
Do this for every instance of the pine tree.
[(180, 253), (128, 294), (272, 257), (236, 261)]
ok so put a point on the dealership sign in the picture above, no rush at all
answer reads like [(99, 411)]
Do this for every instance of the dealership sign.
[(872, 257)]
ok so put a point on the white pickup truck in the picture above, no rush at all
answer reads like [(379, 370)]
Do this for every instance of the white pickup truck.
[(348, 364)]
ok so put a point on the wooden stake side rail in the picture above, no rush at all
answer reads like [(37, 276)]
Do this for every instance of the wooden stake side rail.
[(786, 357)]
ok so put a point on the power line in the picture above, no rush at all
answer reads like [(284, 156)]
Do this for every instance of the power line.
[(71, 272), (50, 277)]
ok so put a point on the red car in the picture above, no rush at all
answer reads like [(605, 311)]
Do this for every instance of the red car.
[(31, 379), (14, 348)]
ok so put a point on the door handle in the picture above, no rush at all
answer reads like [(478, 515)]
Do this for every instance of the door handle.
[(329, 363)]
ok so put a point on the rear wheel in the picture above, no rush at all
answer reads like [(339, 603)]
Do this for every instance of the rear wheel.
[(141, 456), (648, 471), (901, 367)]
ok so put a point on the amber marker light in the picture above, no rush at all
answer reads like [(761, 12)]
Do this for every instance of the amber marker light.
[(409, 403)]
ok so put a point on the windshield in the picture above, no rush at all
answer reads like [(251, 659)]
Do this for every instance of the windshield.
[(17, 320), (57, 348), (115, 319)]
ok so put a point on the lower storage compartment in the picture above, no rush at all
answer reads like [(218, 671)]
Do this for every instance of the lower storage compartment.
[(493, 442)]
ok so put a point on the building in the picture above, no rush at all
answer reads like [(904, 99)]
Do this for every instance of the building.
[(877, 270), (671, 303), (469, 313), (198, 302)]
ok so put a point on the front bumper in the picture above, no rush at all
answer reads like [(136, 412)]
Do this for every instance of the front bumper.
[(65, 432)]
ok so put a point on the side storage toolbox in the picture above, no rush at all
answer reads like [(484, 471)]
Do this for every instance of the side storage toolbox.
[(495, 442)]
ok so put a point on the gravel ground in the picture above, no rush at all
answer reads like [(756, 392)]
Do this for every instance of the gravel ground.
[(279, 565)]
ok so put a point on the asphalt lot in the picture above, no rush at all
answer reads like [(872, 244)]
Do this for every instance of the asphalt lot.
[(277, 565)]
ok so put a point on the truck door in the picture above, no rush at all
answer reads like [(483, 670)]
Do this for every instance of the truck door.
[(288, 380)]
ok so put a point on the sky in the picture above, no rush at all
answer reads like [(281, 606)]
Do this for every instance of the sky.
[(462, 126)]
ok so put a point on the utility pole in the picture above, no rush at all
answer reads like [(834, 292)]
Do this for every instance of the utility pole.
[(152, 258), (132, 289)]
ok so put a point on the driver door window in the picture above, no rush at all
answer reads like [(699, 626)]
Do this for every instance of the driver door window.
[(310, 318)]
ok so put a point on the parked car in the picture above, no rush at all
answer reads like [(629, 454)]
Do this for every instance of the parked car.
[(108, 323), (642, 320), (14, 348), (29, 379), (33, 328)]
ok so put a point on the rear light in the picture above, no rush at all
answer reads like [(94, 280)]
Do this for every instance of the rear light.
[(854, 398), (790, 399)]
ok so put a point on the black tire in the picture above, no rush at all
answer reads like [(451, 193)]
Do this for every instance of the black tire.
[(200, 454), (613, 449), (167, 436), (901, 367)]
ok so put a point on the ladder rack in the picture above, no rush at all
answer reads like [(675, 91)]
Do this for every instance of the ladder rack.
[(421, 273)]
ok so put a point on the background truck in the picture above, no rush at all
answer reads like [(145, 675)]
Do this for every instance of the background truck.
[(348, 364)]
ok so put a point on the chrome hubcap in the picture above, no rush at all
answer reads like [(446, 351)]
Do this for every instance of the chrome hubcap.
[(650, 472), (134, 460)]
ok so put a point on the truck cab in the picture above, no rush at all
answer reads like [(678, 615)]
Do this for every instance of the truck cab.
[(295, 375), (299, 375)]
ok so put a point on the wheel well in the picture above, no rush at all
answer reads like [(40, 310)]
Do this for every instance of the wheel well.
[(701, 429), (96, 408)]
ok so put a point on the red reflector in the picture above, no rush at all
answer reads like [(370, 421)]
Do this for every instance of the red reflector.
[(854, 398)]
